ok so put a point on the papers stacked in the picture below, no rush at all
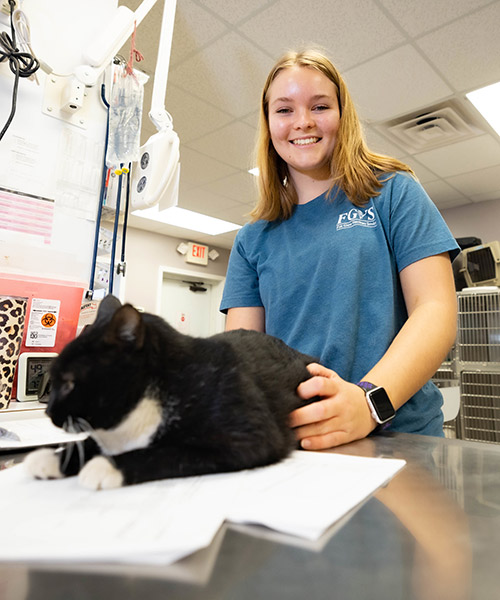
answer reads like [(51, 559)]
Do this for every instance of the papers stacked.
[(27, 432), (161, 522)]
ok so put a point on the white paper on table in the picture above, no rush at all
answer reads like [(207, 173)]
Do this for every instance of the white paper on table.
[(306, 493), (153, 523), (35, 431), (160, 522)]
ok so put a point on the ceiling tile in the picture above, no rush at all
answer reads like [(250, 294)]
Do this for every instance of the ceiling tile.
[(202, 201), (234, 12), (444, 204), (194, 27), (441, 192), (467, 50), (351, 31), (483, 181), (241, 187), (424, 15), (252, 118), (233, 144), (225, 74), (379, 95), (192, 117), (484, 197), (238, 214), (197, 169), (469, 155), (423, 173), (378, 143)]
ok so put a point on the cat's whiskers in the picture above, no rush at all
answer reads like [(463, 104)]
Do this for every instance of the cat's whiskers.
[(87, 427), (68, 425), (69, 451), (84, 425)]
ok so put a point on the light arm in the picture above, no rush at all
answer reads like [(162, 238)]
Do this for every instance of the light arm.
[(246, 317), (420, 347)]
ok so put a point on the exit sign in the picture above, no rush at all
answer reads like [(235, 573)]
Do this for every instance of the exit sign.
[(197, 254)]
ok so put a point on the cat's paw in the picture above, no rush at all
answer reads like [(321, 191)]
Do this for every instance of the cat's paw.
[(100, 474), (43, 464)]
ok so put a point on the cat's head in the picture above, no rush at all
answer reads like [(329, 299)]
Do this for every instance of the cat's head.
[(99, 377)]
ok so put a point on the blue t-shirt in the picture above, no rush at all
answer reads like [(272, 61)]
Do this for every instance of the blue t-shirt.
[(328, 279)]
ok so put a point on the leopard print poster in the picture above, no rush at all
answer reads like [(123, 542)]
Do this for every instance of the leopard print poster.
[(12, 318)]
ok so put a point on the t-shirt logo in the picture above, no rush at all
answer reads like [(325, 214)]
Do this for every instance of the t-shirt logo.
[(357, 216)]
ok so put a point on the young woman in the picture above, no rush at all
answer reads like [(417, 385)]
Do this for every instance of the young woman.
[(346, 259)]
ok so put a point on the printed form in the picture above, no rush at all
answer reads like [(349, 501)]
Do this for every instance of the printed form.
[(163, 521)]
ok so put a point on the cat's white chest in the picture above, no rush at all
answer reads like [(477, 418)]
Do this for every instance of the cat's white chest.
[(135, 431)]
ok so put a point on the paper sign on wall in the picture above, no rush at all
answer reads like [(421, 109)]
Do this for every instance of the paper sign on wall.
[(42, 324)]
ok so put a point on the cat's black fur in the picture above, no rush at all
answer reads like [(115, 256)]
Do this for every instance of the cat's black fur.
[(224, 400)]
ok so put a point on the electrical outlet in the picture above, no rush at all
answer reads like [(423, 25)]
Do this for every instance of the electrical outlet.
[(5, 6)]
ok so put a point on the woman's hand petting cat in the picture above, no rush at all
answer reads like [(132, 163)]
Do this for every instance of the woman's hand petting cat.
[(341, 416)]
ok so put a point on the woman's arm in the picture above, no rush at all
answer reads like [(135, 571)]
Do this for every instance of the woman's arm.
[(410, 361), (246, 317), (422, 344)]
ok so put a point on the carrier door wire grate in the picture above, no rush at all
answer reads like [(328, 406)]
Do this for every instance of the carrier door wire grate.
[(480, 406), (478, 364), (479, 327)]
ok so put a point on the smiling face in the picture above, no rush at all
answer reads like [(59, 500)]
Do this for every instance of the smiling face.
[(304, 119)]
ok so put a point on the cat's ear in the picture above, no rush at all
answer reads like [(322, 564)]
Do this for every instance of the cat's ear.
[(107, 308), (126, 327)]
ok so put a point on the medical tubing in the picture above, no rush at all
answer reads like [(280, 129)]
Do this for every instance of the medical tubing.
[(101, 196), (115, 231), (125, 218)]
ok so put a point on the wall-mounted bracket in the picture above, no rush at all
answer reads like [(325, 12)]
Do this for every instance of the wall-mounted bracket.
[(65, 99)]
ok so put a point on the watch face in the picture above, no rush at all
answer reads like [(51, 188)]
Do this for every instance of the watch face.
[(382, 404)]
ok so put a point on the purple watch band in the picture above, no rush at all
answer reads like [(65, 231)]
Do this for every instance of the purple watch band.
[(366, 385)]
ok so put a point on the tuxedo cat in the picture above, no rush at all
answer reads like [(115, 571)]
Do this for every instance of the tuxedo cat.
[(159, 404)]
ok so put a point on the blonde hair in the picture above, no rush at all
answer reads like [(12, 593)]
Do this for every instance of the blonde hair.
[(354, 168)]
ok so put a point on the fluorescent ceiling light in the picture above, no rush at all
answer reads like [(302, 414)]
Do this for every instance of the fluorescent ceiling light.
[(254, 171), (187, 219), (487, 101)]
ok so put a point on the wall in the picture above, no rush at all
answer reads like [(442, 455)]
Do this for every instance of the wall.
[(146, 252), (51, 162), (481, 220)]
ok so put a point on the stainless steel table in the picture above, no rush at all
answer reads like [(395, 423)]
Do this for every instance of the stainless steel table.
[(432, 533)]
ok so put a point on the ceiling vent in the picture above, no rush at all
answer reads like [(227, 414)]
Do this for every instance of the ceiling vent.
[(427, 129)]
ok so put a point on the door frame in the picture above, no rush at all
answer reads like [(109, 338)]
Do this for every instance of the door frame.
[(217, 319)]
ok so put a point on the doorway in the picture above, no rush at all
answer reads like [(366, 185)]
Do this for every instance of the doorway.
[(189, 301)]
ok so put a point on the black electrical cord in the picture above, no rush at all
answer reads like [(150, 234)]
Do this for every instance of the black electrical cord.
[(22, 64)]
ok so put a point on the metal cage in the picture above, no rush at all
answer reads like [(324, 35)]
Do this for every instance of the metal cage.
[(478, 364), (480, 406), (479, 327)]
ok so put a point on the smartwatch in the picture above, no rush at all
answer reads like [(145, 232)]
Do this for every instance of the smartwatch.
[(379, 403)]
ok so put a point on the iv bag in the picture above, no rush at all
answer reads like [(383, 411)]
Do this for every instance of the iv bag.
[(125, 116)]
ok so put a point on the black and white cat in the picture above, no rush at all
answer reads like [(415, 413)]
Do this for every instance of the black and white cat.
[(160, 404)]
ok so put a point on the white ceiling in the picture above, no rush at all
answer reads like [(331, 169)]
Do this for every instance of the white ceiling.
[(399, 58)]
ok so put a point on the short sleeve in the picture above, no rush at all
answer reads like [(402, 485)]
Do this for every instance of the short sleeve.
[(414, 225), (242, 281)]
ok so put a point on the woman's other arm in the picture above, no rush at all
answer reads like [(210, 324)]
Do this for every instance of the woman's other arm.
[(410, 361), (246, 317)]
